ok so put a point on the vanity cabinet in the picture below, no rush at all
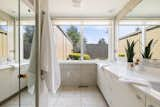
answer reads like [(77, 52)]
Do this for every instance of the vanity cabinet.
[(151, 102), (117, 93), (104, 84), (9, 82), (5, 84)]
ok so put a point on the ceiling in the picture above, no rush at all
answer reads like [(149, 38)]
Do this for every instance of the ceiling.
[(146, 9), (88, 8), (11, 7)]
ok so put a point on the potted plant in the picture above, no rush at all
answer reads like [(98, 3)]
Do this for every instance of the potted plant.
[(147, 54), (121, 56), (130, 53)]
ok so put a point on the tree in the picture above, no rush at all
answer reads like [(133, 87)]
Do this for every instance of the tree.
[(27, 37), (102, 41), (73, 33)]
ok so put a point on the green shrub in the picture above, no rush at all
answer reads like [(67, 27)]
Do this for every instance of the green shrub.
[(77, 56)]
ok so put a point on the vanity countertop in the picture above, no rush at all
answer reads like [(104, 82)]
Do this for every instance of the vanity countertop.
[(151, 75), (12, 65)]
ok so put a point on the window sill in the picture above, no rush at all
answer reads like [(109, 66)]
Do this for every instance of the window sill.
[(83, 61)]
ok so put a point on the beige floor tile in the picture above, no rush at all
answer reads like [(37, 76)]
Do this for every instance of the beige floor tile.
[(65, 97)]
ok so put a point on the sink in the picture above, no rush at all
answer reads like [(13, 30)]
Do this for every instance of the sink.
[(155, 86)]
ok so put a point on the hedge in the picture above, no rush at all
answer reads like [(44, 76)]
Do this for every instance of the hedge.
[(77, 56)]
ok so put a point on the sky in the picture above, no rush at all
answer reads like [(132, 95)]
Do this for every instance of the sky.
[(94, 33)]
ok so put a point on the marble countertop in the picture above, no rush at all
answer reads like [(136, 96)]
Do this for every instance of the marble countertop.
[(11, 65), (151, 75)]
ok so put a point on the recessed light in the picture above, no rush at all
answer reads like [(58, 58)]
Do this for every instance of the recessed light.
[(76, 3), (111, 11)]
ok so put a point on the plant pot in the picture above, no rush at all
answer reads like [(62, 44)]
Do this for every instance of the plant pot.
[(130, 66), (122, 59), (145, 61)]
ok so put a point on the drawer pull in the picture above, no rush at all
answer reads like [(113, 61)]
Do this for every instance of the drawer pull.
[(138, 97), (22, 76)]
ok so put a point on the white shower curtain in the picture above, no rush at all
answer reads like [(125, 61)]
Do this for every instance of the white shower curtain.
[(49, 63)]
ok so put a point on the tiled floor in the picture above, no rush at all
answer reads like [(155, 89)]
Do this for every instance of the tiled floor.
[(67, 97)]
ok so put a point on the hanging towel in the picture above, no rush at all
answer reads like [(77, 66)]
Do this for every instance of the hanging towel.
[(32, 67), (49, 63)]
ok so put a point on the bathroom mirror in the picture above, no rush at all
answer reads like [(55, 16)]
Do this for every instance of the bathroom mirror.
[(145, 21), (17, 27)]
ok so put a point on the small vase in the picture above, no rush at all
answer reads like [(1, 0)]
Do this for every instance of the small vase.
[(130, 66), (145, 61)]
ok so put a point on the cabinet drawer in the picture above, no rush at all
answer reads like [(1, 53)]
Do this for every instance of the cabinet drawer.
[(140, 96), (151, 102)]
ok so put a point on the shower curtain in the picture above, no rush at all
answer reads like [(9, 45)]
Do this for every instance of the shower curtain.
[(50, 69)]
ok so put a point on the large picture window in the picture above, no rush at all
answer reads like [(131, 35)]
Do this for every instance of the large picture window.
[(82, 42), (130, 33), (95, 43), (142, 34)]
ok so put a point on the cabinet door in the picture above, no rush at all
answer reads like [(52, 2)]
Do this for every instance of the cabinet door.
[(23, 81), (151, 102), (5, 84), (103, 83), (70, 74), (88, 74), (14, 81), (109, 89), (123, 95)]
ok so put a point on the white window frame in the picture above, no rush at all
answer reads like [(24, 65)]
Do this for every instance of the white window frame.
[(82, 23), (23, 23), (142, 23)]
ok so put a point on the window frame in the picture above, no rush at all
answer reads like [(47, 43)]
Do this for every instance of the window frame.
[(142, 23), (23, 23), (82, 23)]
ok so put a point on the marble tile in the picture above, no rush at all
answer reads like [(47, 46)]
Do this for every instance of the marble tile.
[(65, 97)]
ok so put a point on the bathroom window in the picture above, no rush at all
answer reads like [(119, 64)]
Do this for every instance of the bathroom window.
[(95, 42), (67, 39), (87, 42), (153, 32), (132, 33), (28, 32), (3, 40)]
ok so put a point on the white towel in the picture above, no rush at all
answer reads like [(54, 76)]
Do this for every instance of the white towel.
[(49, 63), (32, 68)]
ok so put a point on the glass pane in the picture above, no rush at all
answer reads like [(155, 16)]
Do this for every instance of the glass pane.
[(130, 33), (27, 32), (15, 48), (153, 33), (95, 42), (68, 42), (9, 81)]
